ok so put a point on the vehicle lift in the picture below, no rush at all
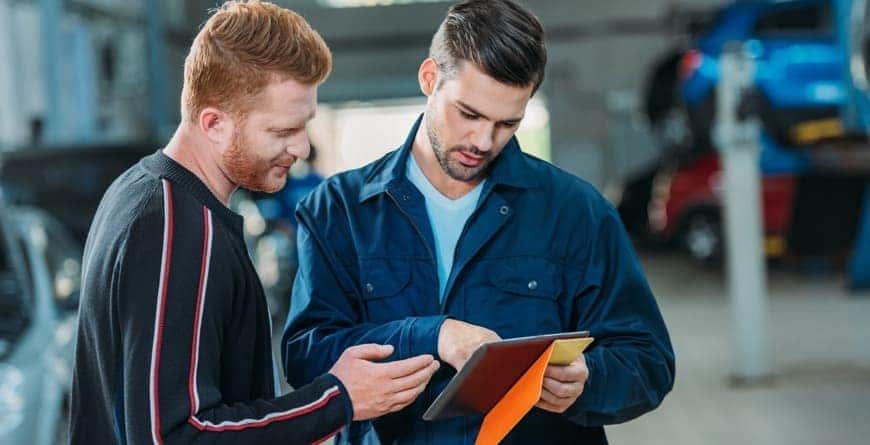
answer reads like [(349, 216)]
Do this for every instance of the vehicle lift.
[(737, 133)]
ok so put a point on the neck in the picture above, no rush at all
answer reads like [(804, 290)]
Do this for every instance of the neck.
[(425, 157), (198, 155)]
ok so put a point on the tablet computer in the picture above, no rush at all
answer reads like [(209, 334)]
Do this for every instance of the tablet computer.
[(489, 373)]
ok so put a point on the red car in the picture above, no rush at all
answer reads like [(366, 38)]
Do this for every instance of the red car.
[(686, 207)]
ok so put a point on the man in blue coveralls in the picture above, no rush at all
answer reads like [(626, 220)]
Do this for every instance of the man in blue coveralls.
[(459, 238)]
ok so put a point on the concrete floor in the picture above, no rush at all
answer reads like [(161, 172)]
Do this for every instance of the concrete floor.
[(820, 341), (820, 353)]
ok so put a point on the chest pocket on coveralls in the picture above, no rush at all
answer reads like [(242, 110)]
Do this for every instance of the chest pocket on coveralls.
[(382, 284), (520, 297)]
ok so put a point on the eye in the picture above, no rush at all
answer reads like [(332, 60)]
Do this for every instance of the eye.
[(287, 132), (468, 116), (508, 124)]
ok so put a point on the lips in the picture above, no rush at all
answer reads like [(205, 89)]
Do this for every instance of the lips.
[(286, 164), (282, 169), (468, 159)]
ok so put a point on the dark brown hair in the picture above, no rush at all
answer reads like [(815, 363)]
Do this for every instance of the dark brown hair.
[(501, 37)]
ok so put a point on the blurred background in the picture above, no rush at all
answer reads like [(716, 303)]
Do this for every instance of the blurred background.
[(744, 186)]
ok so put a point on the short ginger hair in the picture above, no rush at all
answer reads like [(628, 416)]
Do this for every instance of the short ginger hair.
[(241, 49)]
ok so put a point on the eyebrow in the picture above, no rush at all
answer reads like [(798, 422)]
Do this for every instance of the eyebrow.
[(282, 128), (471, 109)]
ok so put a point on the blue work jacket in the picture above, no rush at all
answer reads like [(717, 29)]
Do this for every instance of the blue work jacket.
[(543, 252)]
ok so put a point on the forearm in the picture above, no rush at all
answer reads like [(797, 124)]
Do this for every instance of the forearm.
[(625, 381)]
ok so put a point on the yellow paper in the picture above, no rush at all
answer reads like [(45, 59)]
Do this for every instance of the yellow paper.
[(567, 350)]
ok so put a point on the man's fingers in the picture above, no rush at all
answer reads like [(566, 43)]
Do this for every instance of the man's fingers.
[(546, 406), (408, 366), (491, 337), (370, 351), (559, 389), (574, 372), (406, 397), (551, 398), (421, 377), (556, 372)]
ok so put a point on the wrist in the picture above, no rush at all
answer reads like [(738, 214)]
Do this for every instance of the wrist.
[(424, 336)]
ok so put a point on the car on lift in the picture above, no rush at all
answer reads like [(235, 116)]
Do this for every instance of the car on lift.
[(803, 94), (40, 268), (800, 83), (800, 89)]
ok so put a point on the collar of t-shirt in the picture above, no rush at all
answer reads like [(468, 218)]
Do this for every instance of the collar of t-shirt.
[(447, 217)]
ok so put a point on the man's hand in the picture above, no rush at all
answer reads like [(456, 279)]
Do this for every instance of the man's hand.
[(458, 339), (376, 389), (563, 385)]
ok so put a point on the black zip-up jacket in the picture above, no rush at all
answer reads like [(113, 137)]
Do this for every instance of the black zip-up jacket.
[(174, 341)]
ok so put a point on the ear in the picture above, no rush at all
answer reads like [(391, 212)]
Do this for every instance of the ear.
[(428, 76), (216, 125)]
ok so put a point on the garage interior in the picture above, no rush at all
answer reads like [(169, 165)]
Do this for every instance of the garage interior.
[(87, 87)]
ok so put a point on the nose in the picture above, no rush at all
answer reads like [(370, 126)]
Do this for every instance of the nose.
[(483, 136), (301, 148)]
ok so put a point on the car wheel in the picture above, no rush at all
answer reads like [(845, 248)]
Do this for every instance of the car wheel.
[(703, 237), (674, 130), (663, 105)]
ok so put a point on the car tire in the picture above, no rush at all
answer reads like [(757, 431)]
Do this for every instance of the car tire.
[(702, 237), (673, 130), (668, 117)]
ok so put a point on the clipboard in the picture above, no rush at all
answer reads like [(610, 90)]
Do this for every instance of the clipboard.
[(495, 368)]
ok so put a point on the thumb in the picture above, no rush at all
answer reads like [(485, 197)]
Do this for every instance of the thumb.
[(370, 351)]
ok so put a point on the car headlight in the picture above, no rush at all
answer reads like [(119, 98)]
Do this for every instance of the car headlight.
[(11, 399)]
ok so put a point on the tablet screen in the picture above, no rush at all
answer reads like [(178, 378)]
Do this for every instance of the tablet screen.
[(489, 373)]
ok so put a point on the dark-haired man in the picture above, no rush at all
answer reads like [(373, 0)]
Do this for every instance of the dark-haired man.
[(458, 238)]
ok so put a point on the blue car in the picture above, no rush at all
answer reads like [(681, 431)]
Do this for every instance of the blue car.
[(800, 84)]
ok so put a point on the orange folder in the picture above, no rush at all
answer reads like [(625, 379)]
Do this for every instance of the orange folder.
[(503, 381)]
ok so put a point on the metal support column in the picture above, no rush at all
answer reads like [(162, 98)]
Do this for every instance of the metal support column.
[(738, 142)]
